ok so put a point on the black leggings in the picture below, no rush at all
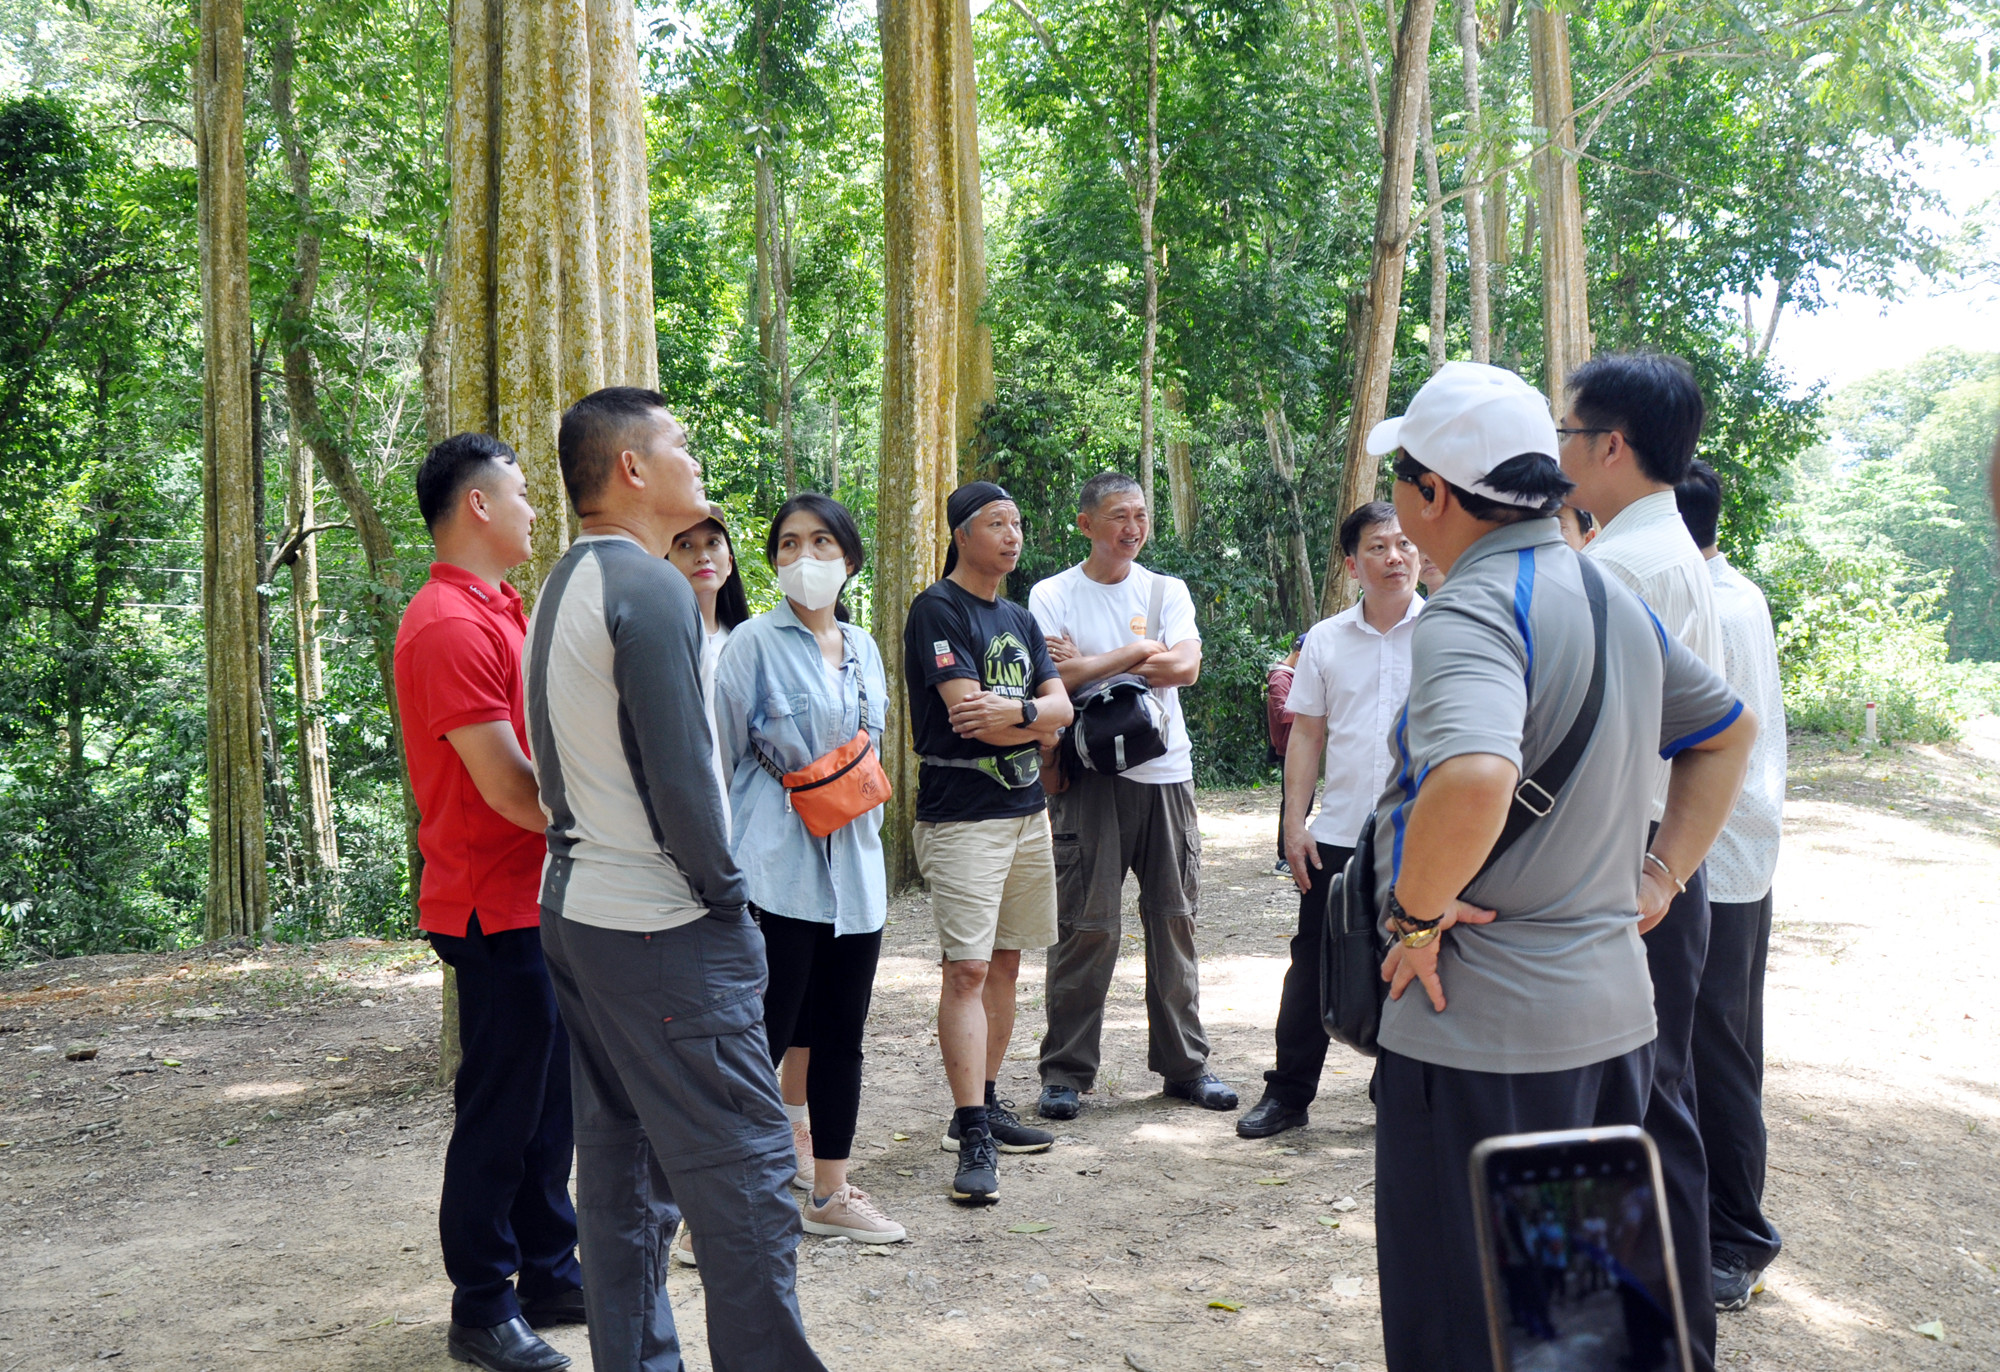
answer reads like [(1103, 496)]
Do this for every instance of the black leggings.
[(818, 998)]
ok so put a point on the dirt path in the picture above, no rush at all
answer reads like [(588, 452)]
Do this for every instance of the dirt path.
[(244, 1176)]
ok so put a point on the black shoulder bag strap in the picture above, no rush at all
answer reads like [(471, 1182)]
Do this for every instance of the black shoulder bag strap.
[(1536, 796)]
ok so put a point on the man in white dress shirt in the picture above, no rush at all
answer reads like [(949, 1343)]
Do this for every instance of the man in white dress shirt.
[(1353, 674), (1627, 439), (1729, 1010)]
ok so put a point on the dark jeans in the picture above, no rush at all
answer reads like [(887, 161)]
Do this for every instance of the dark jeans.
[(1427, 1119), (818, 998), (1675, 952), (505, 1206), (677, 1110), (1729, 1078), (1302, 1036)]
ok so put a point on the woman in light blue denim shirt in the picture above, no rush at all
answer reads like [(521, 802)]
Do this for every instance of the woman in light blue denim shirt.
[(794, 684)]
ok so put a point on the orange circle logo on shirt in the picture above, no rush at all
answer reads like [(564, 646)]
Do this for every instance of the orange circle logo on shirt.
[(1138, 626)]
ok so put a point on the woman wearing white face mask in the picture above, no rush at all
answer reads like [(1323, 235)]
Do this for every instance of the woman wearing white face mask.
[(795, 684)]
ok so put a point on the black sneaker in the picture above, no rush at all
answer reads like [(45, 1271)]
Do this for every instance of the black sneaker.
[(978, 1179), (1058, 1103), (1736, 1281), (1009, 1134)]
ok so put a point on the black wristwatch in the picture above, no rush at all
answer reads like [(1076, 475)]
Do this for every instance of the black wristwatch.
[(1028, 713)]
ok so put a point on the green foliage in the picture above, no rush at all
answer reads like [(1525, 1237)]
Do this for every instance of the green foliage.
[(1884, 584), (1855, 628), (100, 843)]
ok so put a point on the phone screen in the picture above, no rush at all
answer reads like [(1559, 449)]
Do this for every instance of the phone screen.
[(1577, 1250)]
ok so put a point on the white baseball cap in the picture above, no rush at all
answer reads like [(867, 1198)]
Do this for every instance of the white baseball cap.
[(1465, 421)]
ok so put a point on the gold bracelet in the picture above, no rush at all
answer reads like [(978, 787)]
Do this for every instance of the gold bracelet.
[(1666, 871)]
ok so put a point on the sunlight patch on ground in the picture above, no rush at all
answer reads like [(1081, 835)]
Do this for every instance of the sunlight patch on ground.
[(265, 1090)]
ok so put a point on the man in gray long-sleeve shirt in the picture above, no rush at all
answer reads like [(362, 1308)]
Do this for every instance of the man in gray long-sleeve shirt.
[(657, 968)]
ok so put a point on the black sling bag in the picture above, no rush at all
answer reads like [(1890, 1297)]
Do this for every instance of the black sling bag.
[(1352, 946)]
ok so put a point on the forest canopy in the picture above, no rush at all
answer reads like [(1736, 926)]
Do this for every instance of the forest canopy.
[(1182, 211)]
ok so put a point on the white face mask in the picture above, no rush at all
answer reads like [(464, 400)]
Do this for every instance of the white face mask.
[(812, 581)]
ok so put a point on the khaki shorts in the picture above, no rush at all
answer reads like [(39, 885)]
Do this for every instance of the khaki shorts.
[(993, 884)]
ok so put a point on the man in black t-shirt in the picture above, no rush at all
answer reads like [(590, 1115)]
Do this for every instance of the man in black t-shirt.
[(983, 697)]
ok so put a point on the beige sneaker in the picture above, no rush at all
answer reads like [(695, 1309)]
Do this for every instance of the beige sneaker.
[(802, 1155), (683, 1250), (849, 1213)]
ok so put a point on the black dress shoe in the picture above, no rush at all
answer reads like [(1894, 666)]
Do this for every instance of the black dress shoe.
[(509, 1347), (565, 1307), (1267, 1117), (1208, 1091)]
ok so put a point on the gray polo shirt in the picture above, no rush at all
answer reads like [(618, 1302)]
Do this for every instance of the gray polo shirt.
[(1500, 663)]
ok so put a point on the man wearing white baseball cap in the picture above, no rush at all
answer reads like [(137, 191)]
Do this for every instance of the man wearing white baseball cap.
[(1518, 992)]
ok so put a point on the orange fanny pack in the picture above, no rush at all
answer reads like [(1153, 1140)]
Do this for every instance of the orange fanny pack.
[(836, 788)]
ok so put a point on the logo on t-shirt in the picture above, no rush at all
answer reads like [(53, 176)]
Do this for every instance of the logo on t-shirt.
[(1138, 626), (1007, 666), (941, 650)]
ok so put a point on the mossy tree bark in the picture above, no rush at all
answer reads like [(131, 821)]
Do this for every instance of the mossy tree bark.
[(1361, 473), (550, 277), (922, 175), (238, 899)]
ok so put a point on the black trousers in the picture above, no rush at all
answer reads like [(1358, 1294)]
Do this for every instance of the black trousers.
[(1302, 1036), (1676, 951), (1427, 1119), (1729, 1078), (818, 998), (505, 1208)]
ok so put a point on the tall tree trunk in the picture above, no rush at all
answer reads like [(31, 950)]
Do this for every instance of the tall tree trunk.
[(1284, 461), (317, 835), (1565, 313), (238, 898), (1361, 473), (551, 270), (764, 228), (920, 368), (781, 343), (274, 776), (833, 444), (383, 599), (1440, 263), (1480, 313), (1183, 495), (1149, 199), (975, 339)]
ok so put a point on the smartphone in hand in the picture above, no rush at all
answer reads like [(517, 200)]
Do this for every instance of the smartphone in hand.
[(1576, 1253)]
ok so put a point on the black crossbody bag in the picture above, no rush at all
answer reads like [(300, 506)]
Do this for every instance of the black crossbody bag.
[(1352, 947)]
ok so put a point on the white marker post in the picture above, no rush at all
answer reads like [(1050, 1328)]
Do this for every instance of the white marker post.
[(1868, 722)]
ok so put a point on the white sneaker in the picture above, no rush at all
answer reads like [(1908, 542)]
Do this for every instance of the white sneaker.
[(850, 1213), (683, 1250), (802, 1155)]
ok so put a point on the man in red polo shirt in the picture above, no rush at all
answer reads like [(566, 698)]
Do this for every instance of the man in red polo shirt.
[(505, 1209)]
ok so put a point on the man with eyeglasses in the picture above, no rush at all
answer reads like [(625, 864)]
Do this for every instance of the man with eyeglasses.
[(1627, 439)]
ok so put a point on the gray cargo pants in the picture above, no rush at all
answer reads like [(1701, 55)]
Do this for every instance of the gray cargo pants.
[(677, 1110), (1104, 827)]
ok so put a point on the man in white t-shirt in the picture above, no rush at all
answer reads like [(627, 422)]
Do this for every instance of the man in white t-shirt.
[(1352, 678), (1095, 616)]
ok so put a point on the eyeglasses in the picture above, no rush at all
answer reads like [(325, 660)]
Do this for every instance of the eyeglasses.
[(1565, 433)]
